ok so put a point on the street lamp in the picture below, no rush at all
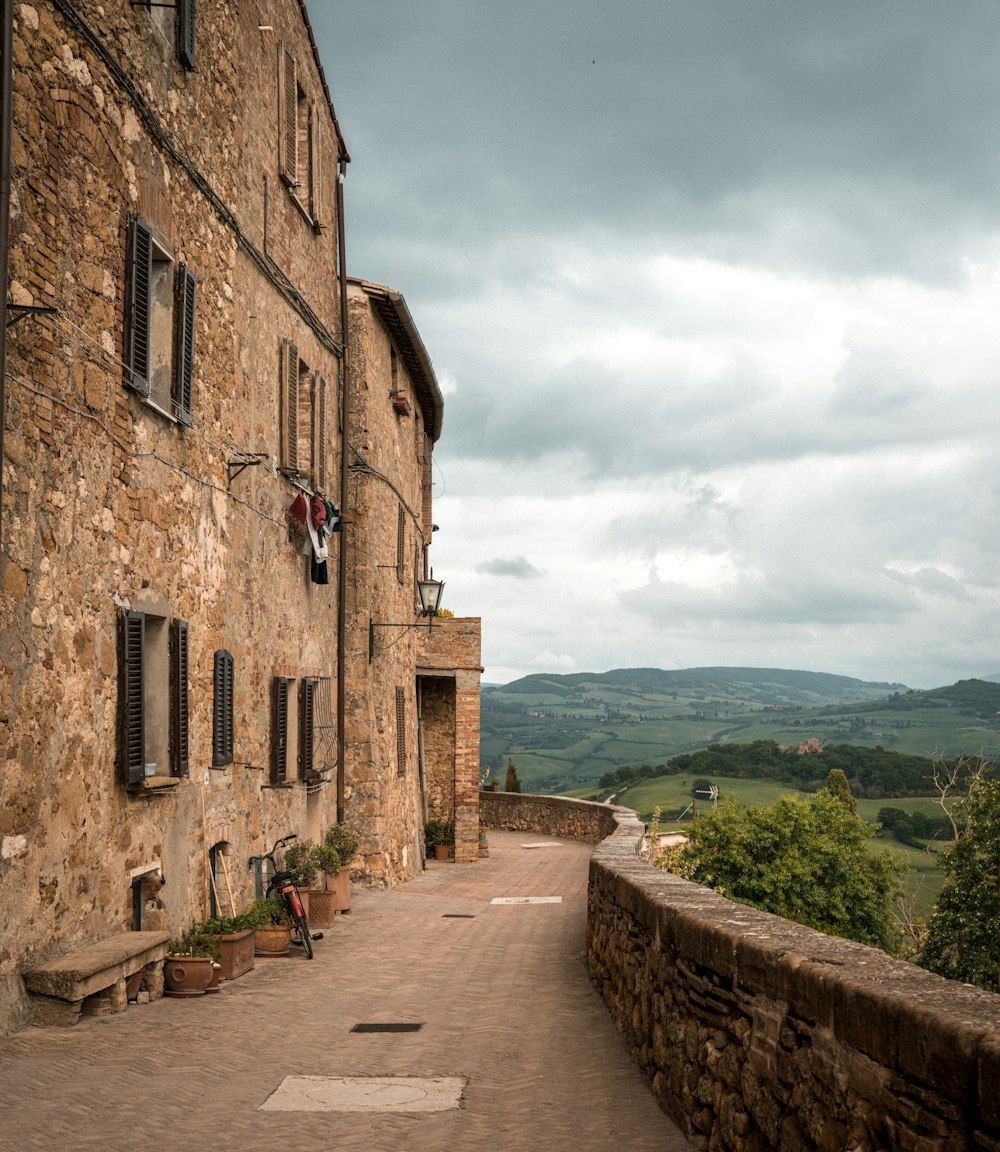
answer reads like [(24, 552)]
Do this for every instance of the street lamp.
[(429, 591)]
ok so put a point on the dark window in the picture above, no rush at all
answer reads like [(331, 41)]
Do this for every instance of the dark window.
[(279, 729), (307, 693), (298, 139), (159, 324), (222, 709), (400, 732)]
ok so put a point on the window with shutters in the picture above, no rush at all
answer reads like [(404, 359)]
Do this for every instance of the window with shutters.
[(159, 324), (298, 139), (174, 25), (153, 677), (305, 419), (222, 709), (400, 732), (400, 544), (307, 727)]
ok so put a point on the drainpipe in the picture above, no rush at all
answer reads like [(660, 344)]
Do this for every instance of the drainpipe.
[(6, 126), (345, 425)]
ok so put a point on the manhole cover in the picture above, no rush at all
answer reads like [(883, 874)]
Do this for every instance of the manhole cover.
[(458, 916), (543, 844), (394, 1026), (366, 1094)]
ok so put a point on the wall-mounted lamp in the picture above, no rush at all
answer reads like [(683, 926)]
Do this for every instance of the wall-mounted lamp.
[(430, 601)]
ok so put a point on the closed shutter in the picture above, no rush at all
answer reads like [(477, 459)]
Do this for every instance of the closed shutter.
[(400, 732), (288, 100), (222, 709), (290, 405), (400, 544), (184, 318), (131, 732), (185, 34), (279, 729), (178, 697), (138, 305), (307, 692), (316, 191), (319, 431)]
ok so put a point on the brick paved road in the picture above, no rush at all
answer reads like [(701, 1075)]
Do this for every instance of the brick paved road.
[(503, 998)]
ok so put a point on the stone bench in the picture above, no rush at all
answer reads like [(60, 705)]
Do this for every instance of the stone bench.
[(92, 979)]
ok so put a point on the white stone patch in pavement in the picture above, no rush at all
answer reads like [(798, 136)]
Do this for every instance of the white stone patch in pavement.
[(543, 844), (526, 900), (366, 1094)]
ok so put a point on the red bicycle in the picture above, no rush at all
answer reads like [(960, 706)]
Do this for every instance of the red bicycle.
[(281, 884)]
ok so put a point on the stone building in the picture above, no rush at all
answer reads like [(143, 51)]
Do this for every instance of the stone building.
[(412, 681), (178, 659)]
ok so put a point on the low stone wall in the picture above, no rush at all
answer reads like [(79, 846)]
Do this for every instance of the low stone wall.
[(553, 815), (758, 1033)]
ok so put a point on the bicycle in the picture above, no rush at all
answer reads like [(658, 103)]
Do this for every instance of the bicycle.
[(281, 884)]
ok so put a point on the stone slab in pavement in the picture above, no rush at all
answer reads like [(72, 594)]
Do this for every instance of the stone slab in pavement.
[(500, 993)]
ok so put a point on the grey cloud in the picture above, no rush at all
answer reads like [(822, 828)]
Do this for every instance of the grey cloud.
[(518, 568)]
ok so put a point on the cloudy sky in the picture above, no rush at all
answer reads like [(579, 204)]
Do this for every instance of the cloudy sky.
[(712, 288)]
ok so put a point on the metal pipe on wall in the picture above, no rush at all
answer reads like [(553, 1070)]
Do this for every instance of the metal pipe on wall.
[(345, 424)]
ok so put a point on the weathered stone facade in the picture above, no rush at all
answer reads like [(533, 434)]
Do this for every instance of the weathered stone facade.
[(402, 734), (136, 178)]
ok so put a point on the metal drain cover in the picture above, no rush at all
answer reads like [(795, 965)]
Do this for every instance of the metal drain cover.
[(366, 1094), (458, 916), (394, 1026)]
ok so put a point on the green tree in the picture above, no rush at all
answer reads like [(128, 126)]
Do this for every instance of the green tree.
[(963, 937), (512, 783), (807, 860), (838, 787)]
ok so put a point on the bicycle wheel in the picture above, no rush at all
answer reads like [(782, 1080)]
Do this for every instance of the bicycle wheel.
[(303, 929)]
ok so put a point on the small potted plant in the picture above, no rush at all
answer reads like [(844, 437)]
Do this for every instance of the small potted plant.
[(272, 928), (189, 967), (439, 836), (334, 855), (233, 937), (486, 781), (302, 860)]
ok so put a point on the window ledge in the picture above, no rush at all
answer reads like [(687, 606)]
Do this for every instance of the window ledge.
[(160, 411), (155, 784)]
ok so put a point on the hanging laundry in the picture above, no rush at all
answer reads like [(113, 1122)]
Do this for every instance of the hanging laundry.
[(299, 509), (317, 510)]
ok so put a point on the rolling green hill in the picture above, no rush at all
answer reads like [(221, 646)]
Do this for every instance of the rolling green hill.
[(565, 732)]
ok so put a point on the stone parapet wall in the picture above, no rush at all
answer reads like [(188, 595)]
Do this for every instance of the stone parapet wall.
[(553, 815), (758, 1033)]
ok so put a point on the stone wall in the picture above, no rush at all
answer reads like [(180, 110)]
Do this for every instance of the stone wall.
[(553, 815), (758, 1033)]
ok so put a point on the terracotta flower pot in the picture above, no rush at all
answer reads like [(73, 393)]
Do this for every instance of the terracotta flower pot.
[(272, 939), (187, 975), (441, 851), (339, 887)]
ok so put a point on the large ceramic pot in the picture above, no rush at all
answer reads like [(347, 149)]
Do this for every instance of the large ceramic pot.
[(236, 949), (272, 939), (187, 975)]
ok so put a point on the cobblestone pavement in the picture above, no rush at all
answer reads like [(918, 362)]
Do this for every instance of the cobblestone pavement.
[(501, 993)]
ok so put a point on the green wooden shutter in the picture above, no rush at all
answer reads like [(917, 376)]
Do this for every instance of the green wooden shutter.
[(184, 334), (178, 697), (185, 34), (131, 731), (307, 692), (222, 709), (138, 305)]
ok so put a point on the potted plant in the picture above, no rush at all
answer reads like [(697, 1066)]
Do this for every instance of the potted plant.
[(334, 855), (302, 860), (486, 781), (439, 836), (232, 937), (189, 968), (272, 928)]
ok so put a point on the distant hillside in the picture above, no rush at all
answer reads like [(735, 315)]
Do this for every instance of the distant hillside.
[(566, 731)]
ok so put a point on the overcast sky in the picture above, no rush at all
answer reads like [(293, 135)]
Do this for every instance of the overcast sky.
[(712, 290)]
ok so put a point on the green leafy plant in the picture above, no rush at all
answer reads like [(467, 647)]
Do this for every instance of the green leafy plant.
[(193, 943), (339, 847), (302, 860), (439, 832), (267, 910), (513, 782)]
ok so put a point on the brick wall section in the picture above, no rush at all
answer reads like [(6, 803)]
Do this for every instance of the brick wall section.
[(451, 650), (758, 1033)]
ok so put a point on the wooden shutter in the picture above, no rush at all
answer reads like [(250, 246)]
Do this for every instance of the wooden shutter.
[(307, 693), (400, 732), (222, 709), (131, 731), (288, 104), (279, 729), (178, 697), (319, 436), (184, 330), (400, 544), (290, 405), (316, 190), (185, 34), (138, 305)]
